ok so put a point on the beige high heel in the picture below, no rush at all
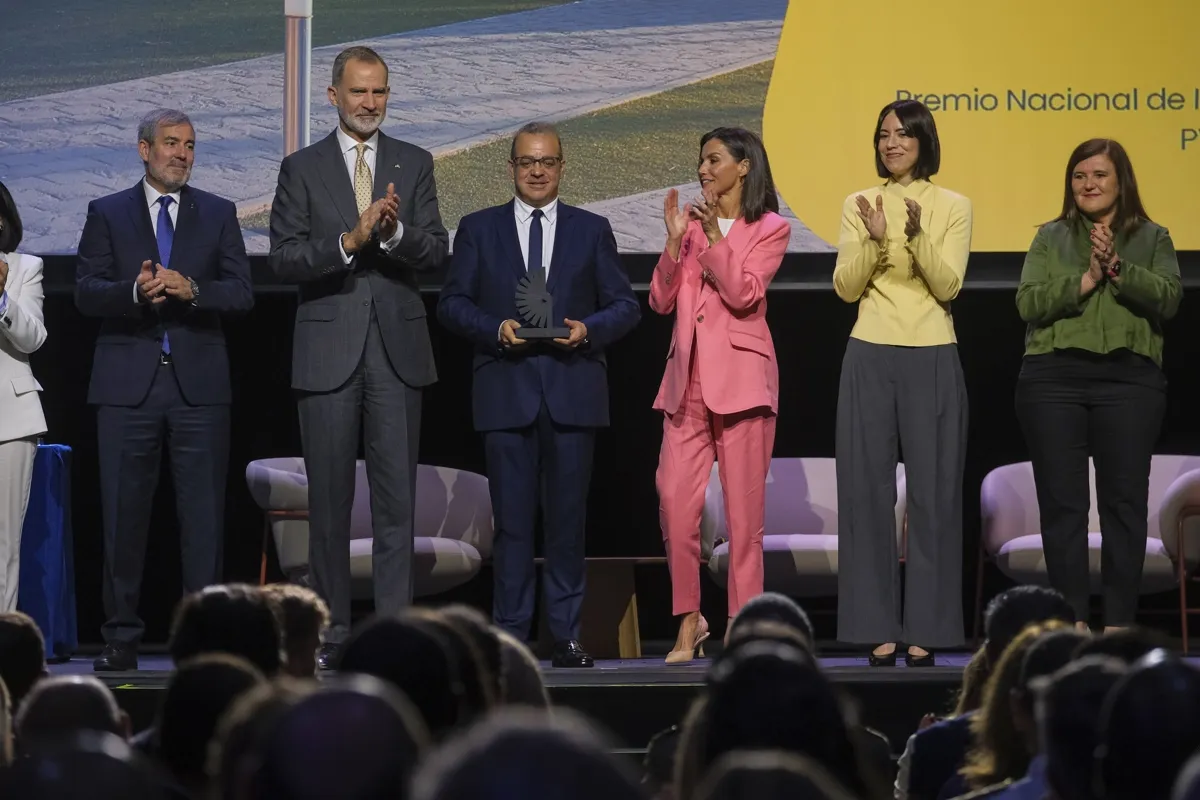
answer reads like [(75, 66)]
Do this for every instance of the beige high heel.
[(697, 648)]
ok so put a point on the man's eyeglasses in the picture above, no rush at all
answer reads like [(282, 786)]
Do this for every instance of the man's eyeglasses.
[(527, 162)]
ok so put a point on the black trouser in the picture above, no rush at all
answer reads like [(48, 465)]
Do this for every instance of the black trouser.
[(1073, 404)]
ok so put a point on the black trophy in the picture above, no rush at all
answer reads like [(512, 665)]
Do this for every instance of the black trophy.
[(536, 308)]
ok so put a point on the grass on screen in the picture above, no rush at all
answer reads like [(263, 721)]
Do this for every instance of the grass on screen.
[(71, 44), (634, 147)]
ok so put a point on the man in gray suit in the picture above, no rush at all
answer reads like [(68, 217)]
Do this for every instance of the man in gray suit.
[(355, 218)]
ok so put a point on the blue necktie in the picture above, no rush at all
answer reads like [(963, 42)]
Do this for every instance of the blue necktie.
[(166, 237), (535, 242)]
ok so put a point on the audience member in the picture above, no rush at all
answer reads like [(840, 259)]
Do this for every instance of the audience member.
[(1125, 644), (774, 696), (475, 626), (999, 753), (305, 620), (775, 607), (770, 775), (1068, 713), (522, 753), (762, 631), (1187, 787), (354, 738), (658, 766), (233, 618), (199, 693), (60, 706), (1049, 653), (235, 753), (939, 751), (89, 765), (415, 657), (22, 655), (523, 682), (1149, 728), (473, 671)]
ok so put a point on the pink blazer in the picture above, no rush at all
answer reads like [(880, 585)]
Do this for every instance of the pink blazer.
[(736, 357)]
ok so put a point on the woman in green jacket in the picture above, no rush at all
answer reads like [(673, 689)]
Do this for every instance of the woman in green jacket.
[(1098, 284)]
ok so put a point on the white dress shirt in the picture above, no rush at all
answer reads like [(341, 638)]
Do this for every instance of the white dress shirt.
[(524, 214), (725, 225), (350, 156), (152, 196)]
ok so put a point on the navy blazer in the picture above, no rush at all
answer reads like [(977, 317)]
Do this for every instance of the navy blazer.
[(587, 283), (938, 753), (208, 248)]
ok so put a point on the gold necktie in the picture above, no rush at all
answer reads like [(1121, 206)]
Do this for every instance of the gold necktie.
[(362, 179)]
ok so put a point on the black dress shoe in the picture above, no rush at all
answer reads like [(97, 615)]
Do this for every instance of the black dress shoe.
[(886, 660), (329, 656), (116, 658), (919, 661), (570, 655)]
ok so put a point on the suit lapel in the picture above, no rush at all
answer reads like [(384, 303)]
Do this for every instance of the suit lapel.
[(386, 165), (139, 217), (563, 228), (332, 168), (186, 223), (739, 235), (507, 225)]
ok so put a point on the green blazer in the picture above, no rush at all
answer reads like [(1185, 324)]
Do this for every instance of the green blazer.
[(1124, 314)]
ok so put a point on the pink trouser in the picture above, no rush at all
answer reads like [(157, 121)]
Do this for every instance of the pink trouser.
[(741, 444)]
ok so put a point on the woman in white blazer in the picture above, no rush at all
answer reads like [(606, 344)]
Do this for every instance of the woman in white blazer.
[(21, 420)]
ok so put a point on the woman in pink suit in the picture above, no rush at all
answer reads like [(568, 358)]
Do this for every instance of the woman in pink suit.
[(720, 391)]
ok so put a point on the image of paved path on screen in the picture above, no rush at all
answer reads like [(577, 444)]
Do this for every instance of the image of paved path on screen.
[(452, 86)]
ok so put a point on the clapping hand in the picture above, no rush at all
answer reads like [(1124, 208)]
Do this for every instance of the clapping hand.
[(704, 208), (3, 274), (873, 218), (389, 214), (1104, 250), (176, 284), (912, 225), (150, 287)]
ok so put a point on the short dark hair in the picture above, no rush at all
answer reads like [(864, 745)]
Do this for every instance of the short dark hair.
[(356, 53), (776, 607), (67, 704), (1129, 213), (11, 229), (758, 187), (304, 614), (1124, 644), (1011, 611), (918, 123), (234, 618), (22, 654), (534, 129)]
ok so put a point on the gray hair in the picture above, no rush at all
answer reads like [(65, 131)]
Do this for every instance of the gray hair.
[(356, 53), (148, 127), (535, 129)]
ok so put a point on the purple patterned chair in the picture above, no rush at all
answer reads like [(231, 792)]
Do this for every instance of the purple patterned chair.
[(453, 524), (800, 532), (1012, 537)]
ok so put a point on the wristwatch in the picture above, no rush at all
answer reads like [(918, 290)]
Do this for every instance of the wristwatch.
[(195, 290), (1115, 269)]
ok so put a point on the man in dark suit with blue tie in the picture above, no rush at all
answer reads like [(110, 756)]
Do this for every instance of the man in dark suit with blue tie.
[(536, 402), (159, 263)]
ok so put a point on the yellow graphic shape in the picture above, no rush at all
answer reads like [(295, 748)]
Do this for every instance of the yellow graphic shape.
[(1014, 86)]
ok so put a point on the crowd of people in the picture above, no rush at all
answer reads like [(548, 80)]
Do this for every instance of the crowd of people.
[(438, 704)]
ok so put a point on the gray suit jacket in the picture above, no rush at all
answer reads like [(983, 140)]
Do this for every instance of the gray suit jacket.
[(314, 205)]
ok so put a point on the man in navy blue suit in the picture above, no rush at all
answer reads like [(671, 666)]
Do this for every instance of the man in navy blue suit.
[(159, 263), (538, 403)]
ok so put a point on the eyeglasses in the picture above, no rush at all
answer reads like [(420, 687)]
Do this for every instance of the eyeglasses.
[(527, 162)]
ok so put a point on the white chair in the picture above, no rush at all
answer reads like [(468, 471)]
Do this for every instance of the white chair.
[(800, 530), (453, 524), (1012, 531)]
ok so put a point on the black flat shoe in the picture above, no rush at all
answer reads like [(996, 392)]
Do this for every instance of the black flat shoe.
[(888, 660), (570, 655), (919, 661)]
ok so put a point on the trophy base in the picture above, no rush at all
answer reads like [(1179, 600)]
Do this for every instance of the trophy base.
[(541, 334)]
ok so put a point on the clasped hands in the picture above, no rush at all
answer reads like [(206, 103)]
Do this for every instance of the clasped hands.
[(155, 283), (876, 222), (704, 209), (384, 213), (1104, 259), (509, 338)]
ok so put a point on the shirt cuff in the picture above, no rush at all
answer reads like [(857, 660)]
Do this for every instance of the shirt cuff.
[(3, 302), (136, 297), (391, 243), (345, 258)]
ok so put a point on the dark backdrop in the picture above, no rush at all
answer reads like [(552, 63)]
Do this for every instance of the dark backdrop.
[(810, 327)]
